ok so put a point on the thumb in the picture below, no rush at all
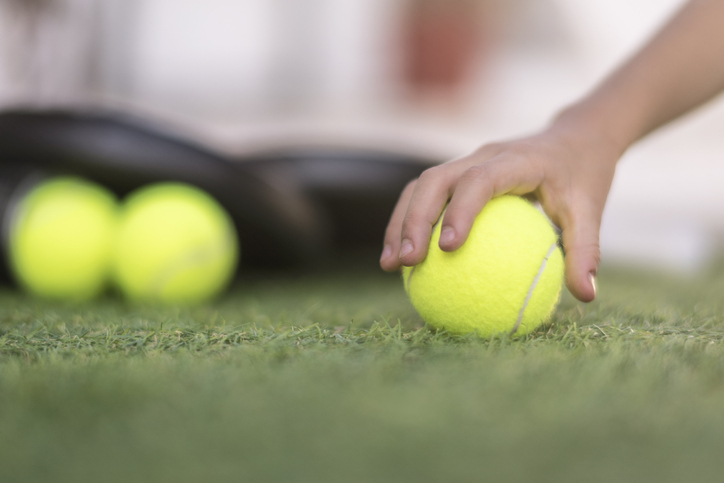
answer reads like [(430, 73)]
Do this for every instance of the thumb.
[(583, 254)]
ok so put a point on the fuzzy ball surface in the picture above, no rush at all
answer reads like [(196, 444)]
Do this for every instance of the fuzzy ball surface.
[(506, 278), (176, 245), (61, 238)]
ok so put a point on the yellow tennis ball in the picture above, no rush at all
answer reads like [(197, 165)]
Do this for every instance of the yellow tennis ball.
[(176, 244), (61, 238), (506, 278)]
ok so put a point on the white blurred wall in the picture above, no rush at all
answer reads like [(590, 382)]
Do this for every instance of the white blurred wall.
[(227, 60), (47, 50)]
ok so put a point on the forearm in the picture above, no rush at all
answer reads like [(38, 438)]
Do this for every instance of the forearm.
[(679, 69)]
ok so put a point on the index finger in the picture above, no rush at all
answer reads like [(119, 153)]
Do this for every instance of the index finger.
[(390, 260)]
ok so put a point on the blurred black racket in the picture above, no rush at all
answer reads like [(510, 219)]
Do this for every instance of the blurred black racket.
[(354, 189), (290, 204), (276, 227)]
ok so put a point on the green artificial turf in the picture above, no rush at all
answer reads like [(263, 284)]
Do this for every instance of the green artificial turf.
[(333, 378)]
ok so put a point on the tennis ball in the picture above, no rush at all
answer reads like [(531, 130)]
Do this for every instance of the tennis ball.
[(60, 238), (506, 278), (175, 244)]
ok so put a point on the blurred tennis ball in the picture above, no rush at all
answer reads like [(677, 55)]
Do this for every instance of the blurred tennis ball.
[(506, 278), (176, 244), (60, 239)]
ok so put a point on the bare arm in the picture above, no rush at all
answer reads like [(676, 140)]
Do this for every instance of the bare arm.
[(679, 69), (569, 166)]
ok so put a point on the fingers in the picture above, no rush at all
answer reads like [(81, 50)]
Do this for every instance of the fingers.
[(569, 192), (390, 260), (583, 254), (474, 179), (514, 174), (428, 199), (427, 202)]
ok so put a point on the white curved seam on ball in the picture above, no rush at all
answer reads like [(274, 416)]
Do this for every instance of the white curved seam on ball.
[(194, 258), (532, 287)]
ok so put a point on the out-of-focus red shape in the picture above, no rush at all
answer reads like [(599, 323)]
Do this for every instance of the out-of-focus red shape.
[(442, 43)]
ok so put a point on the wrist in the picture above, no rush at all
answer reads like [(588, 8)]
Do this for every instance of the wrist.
[(585, 120)]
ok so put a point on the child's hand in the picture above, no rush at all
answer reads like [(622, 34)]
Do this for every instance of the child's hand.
[(568, 169)]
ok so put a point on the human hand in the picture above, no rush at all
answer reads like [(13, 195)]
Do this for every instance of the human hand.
[(567, 168)]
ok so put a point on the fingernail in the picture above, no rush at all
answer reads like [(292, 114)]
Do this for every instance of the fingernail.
[(592, 278), (447, 235), (386, 252), (406, 248)]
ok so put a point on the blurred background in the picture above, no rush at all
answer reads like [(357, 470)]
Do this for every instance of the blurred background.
[(430, 77)]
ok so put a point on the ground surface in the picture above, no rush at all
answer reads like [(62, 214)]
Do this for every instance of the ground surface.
[(332, 378)]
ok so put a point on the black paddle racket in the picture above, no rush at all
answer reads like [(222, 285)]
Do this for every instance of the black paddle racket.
[(276, 227), (290, 205)]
